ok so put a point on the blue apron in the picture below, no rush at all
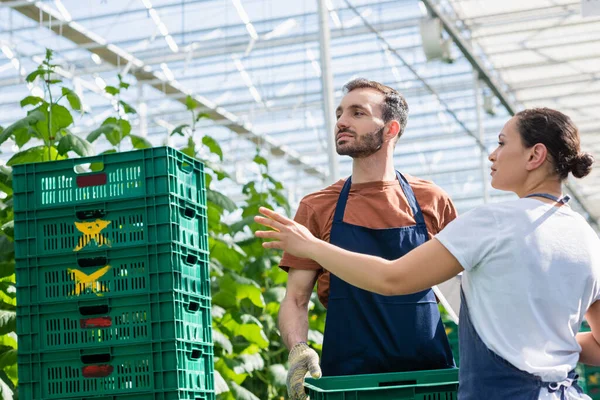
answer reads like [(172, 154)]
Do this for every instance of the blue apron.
[(484, 374), (369, 333)]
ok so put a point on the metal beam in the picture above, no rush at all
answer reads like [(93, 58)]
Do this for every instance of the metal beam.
[(495, 86), (466, 50), (142, 72)]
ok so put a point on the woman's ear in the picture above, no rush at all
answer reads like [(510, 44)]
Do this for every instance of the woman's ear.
[(537, 156)]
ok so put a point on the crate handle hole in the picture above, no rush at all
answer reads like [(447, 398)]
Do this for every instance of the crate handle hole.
[(189, 213), (191, 259), (196, 354), (93, 310), (90, 214), (397, 383), (186, 167), (95, 358), (86, 167), (92, 262), (193, 306)]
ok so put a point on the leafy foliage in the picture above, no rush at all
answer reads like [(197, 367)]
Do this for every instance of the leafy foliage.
[(247, 286)]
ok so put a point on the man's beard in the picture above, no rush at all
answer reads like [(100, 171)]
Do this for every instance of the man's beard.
[(363, 146)]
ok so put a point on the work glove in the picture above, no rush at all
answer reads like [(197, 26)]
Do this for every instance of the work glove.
[(302, 359)]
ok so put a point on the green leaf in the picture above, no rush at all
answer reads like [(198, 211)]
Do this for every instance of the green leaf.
[(241, 393), (6, 389), (123, 85), (102, 130), (34, 154), (220, 339), (72, 98), (234, 288), (53, 81), (31, 101), (220, 384), (60, 118), (220, 200), (277, 374), (8, 322), (260, 160), (22, 136), (31, 77), (112, 90), (202, 116), (252, 362), (227, 372), (275, 294), (8, 358), (32, 118), (71, 142), (251, 332), (127, 108), (49, 54), (179, 130), (213, 146), (139, 142), (191, 103)]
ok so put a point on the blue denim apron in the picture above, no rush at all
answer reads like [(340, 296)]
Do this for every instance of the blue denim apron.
[(485, 375), (369, 333)]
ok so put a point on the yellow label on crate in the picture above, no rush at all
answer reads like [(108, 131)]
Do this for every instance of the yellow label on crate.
[(91, 230), (84, 282)]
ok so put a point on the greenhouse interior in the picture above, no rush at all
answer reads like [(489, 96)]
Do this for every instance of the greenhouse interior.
[(139, 140)]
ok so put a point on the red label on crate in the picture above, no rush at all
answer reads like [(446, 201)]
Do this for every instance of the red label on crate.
[(100, 322), (91, 180), (97, 371)]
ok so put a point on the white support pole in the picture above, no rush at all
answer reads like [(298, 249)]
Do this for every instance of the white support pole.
[(327, 90), (480, 135)]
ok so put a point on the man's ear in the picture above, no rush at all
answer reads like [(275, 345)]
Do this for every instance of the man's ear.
[(393, 129), (537, 156)]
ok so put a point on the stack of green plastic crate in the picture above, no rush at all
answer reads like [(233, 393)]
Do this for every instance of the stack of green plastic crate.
[(113, 283)]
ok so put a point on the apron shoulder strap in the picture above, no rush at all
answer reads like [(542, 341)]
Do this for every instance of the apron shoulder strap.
[(412, 200), (340, 207)]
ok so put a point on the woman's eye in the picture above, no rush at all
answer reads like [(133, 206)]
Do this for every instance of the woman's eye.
[(500, 143)]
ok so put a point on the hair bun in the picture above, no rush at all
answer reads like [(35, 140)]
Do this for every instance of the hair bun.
[(581, 164)]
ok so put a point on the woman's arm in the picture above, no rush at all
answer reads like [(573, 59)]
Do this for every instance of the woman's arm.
[(590, 341), (427, 265)]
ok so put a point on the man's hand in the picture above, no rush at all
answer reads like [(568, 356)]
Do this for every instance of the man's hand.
[(302, 359)]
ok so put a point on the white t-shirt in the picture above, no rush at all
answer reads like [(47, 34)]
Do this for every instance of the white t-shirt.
[(531, 271)]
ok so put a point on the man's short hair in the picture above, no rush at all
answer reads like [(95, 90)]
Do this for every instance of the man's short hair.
[(394, 106)]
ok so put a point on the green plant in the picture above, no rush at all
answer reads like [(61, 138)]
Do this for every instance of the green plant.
[(246, 284), (116, 128), (48, 121)]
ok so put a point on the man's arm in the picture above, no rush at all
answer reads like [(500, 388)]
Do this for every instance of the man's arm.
[(590, 341), (293, 312)]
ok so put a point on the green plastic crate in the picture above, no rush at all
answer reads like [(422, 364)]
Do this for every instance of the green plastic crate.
[(419, 385), (118, 224), (111, 322), (141, 369), (139, 173), (112, 273), (170, 395)]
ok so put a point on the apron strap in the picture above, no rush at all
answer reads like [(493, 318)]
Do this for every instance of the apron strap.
[(408, 192), (340, 208), (562, 200), (412, 200)]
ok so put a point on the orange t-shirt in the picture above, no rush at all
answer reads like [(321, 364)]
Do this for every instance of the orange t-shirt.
[(375, 205)]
